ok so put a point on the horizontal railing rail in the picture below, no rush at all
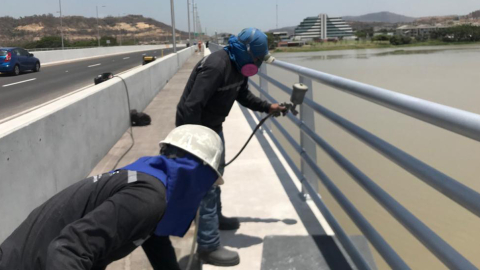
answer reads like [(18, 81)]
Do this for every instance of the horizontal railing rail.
[(425, 235), (450, 187), (390, 256), (57, 49), (456, 120)]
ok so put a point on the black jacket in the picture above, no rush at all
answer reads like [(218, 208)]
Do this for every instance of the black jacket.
[(211, 90), (88, 225)]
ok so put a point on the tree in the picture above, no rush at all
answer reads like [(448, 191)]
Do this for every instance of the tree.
[(103, 41), (48, 42), (381, 38), (400, 40), (272, 41), (461, 33)]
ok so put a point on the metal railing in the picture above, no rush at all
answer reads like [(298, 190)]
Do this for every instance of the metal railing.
[(455, 120), (57, 49)]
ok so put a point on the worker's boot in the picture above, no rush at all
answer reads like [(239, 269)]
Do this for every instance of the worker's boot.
[(220, 257), (227, 223)]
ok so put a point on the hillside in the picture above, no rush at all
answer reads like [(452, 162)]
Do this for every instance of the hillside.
[(20, 31), (384, 17), (289, 29)]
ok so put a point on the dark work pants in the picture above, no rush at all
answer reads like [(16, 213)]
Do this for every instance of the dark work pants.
[(160, 253)]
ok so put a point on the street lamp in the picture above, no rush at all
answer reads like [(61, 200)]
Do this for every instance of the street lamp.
[(61, 22), (98, 27), (188, 14), (121, 30), (173, 27), (194, 19)]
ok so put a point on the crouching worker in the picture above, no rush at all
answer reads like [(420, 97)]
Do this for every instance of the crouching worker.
[(103, 218)]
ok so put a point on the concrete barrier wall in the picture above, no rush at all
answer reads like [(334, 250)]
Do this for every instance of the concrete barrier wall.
[(46, 150), (51, 57)]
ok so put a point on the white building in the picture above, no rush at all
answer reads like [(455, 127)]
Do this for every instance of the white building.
[(323, 27)]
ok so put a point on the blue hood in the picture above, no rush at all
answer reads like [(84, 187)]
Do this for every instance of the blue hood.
[(238, 51), (186, 179)]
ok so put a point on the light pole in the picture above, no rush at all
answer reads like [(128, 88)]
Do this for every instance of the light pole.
[(98, 28), (61, 22), (121, 30), (193, 17), (188, 13), (173, 27)]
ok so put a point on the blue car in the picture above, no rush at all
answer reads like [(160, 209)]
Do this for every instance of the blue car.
[(17, 60)]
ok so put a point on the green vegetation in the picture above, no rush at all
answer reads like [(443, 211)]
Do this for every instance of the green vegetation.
[(360, 45), (462, 33), (56, 42), (381, 38), (272, 41), (47, 42), (400, 40), (458, 35), (43, 31), (103, 41)]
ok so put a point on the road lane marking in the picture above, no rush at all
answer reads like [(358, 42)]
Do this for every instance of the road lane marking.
[(144, 54), (95, 65), (125, 58), (56, 99), (19, 82)]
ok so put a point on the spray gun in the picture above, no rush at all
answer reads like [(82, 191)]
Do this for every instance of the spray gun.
[(297, 97)]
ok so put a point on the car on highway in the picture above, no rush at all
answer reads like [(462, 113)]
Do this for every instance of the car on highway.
[(16, 60)]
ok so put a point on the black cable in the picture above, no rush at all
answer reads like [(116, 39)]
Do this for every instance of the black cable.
[(253, 133), (131, 128)]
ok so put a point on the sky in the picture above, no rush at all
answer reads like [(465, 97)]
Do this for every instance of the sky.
[(232, 16)]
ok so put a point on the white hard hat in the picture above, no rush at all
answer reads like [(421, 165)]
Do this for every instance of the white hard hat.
[(200, 141)]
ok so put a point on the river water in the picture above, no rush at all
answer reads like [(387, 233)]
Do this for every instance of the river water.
[(446, 75)]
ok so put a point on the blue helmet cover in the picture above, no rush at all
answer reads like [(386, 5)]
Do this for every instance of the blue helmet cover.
[(250, 44)]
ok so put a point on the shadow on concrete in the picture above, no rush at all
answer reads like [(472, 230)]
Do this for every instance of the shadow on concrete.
[(308, 218), (196, 263), (287, 221), (232, 239), (321, 243)]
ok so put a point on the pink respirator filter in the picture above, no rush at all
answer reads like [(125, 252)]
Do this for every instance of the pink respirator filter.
[(249, 70)]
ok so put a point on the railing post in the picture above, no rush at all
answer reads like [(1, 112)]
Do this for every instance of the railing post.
[(264, 86), (307, 116)]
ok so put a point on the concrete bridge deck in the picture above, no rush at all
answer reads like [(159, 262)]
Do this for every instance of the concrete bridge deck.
[(259, 189)]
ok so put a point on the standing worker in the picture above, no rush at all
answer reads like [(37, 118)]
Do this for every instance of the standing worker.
[(216, 82), (105, 217)]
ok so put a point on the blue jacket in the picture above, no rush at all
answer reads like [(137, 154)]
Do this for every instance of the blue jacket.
[(186, 179)]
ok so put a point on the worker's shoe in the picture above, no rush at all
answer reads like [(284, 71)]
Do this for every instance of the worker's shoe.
[(219, 257), (228, 224)]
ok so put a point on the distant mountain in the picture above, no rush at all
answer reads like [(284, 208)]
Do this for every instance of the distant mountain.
[(289, 29), (18, 31), (475, 14), (385, 17)]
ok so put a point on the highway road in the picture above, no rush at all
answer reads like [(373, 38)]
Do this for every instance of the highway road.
[(20, 93)]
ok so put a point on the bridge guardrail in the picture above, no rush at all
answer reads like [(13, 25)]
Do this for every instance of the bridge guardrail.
[(69, 136), (458, 121)]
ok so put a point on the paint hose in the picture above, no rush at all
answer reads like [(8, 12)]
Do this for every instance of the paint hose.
[(194, 242)]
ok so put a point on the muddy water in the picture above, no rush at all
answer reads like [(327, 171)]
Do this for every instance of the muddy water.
[(446, 75)]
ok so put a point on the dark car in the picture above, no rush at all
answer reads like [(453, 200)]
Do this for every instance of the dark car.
[(17, 60)]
